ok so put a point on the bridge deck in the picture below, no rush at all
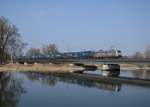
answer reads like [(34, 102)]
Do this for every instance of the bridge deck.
[(87, 61)]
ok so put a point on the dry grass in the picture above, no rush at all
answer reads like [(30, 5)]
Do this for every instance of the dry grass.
[(41, 67)]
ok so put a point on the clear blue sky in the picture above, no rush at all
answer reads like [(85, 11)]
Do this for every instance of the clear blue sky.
[(81, 24)]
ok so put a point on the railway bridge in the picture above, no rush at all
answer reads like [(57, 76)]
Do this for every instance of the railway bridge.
[(85, 61)]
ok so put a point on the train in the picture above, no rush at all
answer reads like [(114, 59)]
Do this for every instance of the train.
[(100, 54), (108, 54)]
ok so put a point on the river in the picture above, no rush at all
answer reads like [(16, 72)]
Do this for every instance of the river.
[(45, 90)]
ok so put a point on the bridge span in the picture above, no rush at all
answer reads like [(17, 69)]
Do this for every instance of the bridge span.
[(86, 61)]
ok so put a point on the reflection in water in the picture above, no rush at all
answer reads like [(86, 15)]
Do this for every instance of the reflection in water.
[(73, 95), (53, 79), (44, 79), (10, 90), (113, 73), (145, 74)]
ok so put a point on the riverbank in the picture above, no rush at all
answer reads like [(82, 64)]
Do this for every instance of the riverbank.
[(62, 68), (54, 68)]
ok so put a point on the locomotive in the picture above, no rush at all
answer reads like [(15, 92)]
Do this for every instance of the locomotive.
[(108, 54)]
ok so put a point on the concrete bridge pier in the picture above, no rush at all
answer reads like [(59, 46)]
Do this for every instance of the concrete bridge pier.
[(87, 67), (111, 70)]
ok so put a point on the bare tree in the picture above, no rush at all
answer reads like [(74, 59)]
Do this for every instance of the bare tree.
[(33, 52), (10, 39), (137, 55), (147, 52), (49, 49)]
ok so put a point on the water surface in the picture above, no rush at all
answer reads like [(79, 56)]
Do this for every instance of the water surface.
[(45, 90)]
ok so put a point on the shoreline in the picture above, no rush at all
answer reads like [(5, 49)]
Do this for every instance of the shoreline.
[(59, 68)]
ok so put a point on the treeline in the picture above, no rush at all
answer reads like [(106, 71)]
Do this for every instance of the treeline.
[(46, 50), (145, 54)]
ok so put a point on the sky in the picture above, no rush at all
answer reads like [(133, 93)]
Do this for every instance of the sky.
[(75, 25)]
